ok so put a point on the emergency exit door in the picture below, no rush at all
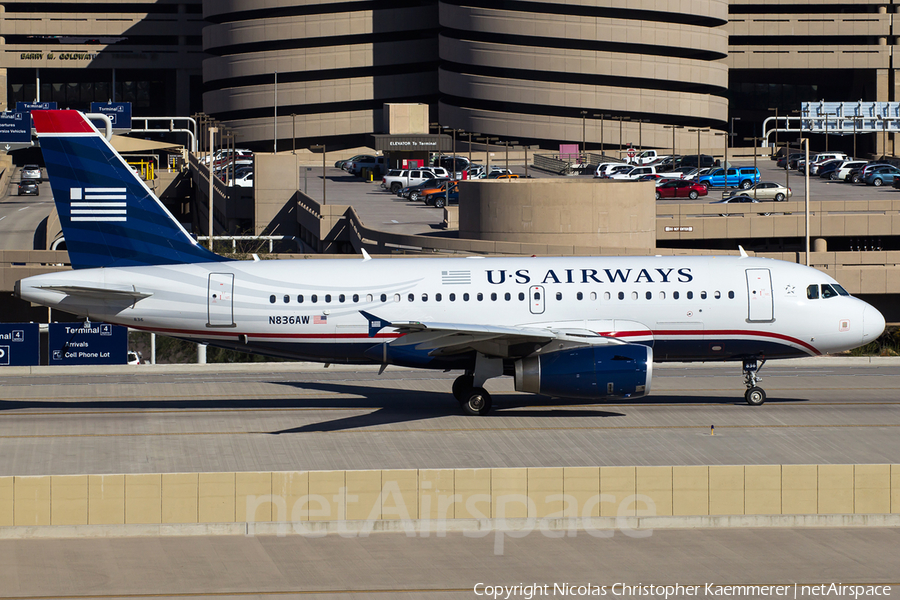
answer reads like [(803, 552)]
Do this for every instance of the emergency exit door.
[(536, 299)]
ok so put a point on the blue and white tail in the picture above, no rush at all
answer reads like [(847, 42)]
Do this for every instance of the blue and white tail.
[(110, 218)]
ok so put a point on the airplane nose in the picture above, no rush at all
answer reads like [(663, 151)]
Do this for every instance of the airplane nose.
[(873, 324)]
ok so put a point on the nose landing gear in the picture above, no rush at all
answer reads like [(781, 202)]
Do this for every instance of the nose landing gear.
[(755, 395)]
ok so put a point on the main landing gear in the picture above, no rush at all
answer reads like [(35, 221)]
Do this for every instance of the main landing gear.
[(474, 400), (755, 395)]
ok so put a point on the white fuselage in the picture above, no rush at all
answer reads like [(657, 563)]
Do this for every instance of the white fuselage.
[(687, 308)]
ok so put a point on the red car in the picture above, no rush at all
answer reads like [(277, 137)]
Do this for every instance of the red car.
[(681, 188)]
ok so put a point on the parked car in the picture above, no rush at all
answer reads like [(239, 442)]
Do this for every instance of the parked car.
[(741, 199), (690, 160), (764, 190), (613, 169), (784, 163), (681, 188), (413, 192), (428, 195), (823, 157), (826, 168), (28, 188), (743, 177), (647, 157), (844, 169), (342, 164), (439, 199), (864, 171), (881, 176), (397, 179), (498, 172), (603, 169), (244, 180), (32, 173), (634, 173), (356, 166), (448, 162)]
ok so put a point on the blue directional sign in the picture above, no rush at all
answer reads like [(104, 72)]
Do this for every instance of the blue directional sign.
[(118, 112), (29, 106), (15, 128), (20, 344), (91, 344)]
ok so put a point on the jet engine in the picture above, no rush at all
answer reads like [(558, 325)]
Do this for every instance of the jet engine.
[(621, 370)]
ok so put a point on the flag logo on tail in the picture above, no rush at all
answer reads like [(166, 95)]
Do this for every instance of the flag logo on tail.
[(98, 204)]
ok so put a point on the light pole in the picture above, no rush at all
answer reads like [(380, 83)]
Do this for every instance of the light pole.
[(526, 149), (322, 148), (507, 143), (487, 151), (755, 144), (293, 133), (470, 134), (620, 119), (733, 119), (212, 137), (583, 137), (700, 130), (453, 133), (805, 142), (602, 116), (640, 123), (275, 129), (725, 164), (673, 128)]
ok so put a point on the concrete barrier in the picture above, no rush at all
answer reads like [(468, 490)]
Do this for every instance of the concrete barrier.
[(714, 493)]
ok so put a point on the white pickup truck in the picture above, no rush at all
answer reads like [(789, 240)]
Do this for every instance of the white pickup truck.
[(646, 157), (634, 173), (397, 179)]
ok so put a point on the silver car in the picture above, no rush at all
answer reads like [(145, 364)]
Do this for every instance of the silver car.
[(31, 173), (764, 190)]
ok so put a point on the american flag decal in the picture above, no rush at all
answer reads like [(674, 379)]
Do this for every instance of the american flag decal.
[(317, 320), (456, 277), (97, 204)]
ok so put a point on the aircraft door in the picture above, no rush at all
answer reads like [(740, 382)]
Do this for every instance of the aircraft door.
[(759, 291), (220, 300), (536, 299)]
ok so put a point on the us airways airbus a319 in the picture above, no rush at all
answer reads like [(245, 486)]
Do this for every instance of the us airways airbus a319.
[(571, 327)]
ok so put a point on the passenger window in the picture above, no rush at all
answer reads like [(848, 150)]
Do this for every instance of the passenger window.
[(369, 297), (634, 295), (703, 295), (662, 295), (328, 298), (272, 298), (537, 295), (731, 295), (424, 297), (507, 296), (648, 295), (411, 297), (466, 297), (812, 292), (593, 295), (494, 296), (579, 296), (607, 296), (287, 299), (690, 295), (341, 298), (559, 295), (384, 298), (522, 296), (355, 297), (314, 298), (717, 295), (396, 297), (300, 299), (437, 297), (452, 297), (621, 295), (828, 291), (479, 297)]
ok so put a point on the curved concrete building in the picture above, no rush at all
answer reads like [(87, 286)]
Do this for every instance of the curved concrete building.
[(337, 63), (526, 70)]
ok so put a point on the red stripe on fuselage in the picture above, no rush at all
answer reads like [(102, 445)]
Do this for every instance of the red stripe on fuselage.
[(712, 333), (60, 121)]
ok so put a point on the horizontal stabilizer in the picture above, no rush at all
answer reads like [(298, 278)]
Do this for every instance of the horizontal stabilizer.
[(98, 292)]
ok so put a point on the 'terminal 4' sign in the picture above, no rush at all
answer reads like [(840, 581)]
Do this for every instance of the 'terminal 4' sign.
[(20, 344), (88, 344)]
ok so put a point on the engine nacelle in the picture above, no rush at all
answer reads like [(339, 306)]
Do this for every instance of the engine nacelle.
[(588, 373)]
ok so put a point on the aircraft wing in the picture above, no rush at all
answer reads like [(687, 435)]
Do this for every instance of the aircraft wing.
[(441, 339), (99, 292)]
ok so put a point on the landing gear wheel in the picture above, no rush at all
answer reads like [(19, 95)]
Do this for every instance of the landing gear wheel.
[(461, 384), (755, 396), (476, 401)]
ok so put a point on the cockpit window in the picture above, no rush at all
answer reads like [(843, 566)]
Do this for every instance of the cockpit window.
[(812, 292), (828, 291), (840, 289)]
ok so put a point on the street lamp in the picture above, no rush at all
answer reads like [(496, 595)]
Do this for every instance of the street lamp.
[(453, 133), (733, 119), (755, 143), (673, 128), (470, 134), (583, 139), (487, 151), (640, 122), (507, 144), (315, 148), (293, 133), (702, 130), (620, 119), (602, 116), (526, 149), (805, 142)]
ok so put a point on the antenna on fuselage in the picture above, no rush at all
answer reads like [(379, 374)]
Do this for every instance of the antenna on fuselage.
[(743, 253), (365, 255)]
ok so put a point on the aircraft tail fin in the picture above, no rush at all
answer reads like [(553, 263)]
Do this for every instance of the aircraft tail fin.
[(110, 218)]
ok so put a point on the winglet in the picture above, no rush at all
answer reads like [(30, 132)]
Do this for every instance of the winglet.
[(365, 255), (743, 253), (375, 324)]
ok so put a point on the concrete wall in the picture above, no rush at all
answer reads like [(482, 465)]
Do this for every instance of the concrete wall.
[(559, 211), (170, 498)]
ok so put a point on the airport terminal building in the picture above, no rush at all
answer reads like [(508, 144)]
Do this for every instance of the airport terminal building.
[(534, 72)]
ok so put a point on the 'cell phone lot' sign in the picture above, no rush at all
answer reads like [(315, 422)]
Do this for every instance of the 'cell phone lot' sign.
[(91, 344)]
